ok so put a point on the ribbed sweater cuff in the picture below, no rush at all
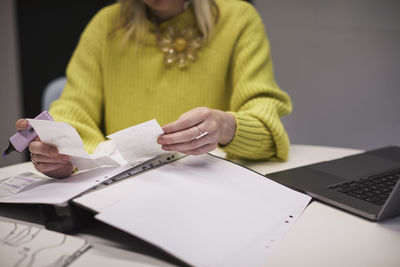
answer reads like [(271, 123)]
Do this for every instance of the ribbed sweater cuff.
[(249, 137)]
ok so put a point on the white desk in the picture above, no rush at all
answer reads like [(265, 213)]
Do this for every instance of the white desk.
[(323, 236)]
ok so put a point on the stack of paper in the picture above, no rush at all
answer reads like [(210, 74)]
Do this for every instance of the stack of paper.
[(204, 210)]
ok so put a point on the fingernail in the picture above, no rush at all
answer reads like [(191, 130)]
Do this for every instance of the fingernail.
[(165, 148), (25, 123)]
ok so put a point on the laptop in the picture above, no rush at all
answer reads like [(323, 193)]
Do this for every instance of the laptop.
[(366, 184)]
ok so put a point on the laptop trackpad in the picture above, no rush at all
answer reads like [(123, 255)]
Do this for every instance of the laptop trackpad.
[(356, 166)]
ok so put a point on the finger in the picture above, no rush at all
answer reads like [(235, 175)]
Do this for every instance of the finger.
[(45, 159), (179, 137), (21, 124), (193, 144), (37, 147), (201, 150), (187, 120), (55, 170)]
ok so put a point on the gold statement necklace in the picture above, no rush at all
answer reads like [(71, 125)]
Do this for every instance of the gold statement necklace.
[(179, 46)]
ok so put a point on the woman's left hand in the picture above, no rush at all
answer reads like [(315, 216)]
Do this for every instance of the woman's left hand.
[(183, 134)]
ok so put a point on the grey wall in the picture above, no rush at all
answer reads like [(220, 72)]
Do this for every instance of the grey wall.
[(10, 104), (340, 62)]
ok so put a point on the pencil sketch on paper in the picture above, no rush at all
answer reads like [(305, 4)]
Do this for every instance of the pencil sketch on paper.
[(29, 246)]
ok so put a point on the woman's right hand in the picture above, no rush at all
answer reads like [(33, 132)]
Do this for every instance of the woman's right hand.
[(46, 158)]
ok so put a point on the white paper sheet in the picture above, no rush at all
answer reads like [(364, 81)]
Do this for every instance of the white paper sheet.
[(24, 245), (59, 191), (60, 134), (67, 140), (207, 211), (106, 196), (139, 142)]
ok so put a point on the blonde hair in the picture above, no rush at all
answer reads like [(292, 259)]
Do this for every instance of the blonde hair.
[(133, 18)]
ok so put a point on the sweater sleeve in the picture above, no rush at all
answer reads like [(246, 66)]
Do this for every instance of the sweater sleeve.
[(257, 102), (81, 102)]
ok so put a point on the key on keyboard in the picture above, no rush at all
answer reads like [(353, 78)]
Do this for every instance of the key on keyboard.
[(375, 189)]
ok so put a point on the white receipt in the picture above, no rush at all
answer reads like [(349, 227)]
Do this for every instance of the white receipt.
[(15, 184), (68, 142), (60, 134), (134, 144), (139, 142)]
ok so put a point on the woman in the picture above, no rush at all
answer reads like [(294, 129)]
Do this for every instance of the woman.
[(196, 66)]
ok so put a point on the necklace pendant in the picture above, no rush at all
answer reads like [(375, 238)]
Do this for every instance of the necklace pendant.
[(180, 46)]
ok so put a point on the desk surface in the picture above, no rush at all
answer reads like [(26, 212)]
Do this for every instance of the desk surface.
[(323, 236)]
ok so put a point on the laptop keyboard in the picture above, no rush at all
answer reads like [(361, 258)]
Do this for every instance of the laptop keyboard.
[(375, 189)]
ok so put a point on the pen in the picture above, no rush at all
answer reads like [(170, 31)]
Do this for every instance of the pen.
[(21, 139)]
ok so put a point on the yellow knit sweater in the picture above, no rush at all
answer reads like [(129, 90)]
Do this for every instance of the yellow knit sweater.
[(111, 87)]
